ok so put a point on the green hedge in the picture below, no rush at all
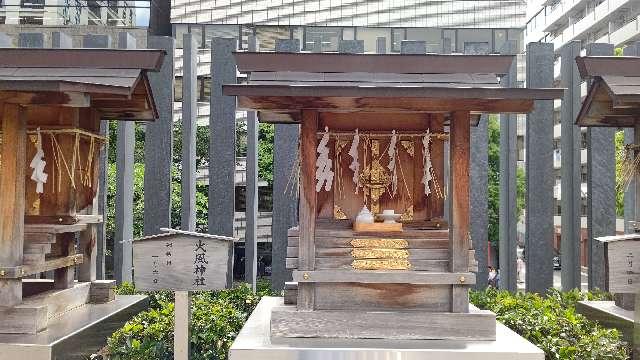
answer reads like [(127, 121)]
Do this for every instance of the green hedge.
[(216, 319), (551, 323)]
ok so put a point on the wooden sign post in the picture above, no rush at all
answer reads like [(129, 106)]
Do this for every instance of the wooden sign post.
[(182, 261)]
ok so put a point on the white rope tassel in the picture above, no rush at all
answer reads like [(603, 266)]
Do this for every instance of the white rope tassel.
[(355, 165), (426, 158), (324, 175), (392, 162), (38, 164)]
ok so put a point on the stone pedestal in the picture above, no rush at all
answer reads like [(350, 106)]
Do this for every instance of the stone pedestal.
[(254, 342), (610, 315)]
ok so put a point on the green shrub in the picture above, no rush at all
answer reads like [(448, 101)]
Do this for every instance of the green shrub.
[(216, 319), (551, 323)]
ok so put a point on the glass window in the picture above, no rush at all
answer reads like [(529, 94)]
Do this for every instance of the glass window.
[(196, 31), (177, 89), (370, 37), (178, 32), (267, 36), (327, 36), (222, 31), (397, 35)]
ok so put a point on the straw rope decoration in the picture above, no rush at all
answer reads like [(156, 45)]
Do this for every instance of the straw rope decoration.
[(630, 166)]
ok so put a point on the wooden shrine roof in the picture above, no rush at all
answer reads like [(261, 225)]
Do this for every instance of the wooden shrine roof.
[(114, 82), (282, 84), (613, 99)]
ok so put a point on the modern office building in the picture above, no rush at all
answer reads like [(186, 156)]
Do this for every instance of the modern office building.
[(68, 12)]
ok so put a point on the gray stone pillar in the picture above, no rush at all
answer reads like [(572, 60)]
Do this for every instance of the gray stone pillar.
[(540, 203), (508, 218), (478, 198), (570, 150), (31, 40), (251, 194), (61, 40), (285, 201), (189, 130), (381, 45), (351, 46), (601, 185), (222, 130), (413, 47), (125, 149), (630, 193), (158, 143)]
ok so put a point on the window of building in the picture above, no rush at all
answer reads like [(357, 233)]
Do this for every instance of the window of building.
[(327, 36), (31, 20), (397, 35), (32, 4), (370, 37)]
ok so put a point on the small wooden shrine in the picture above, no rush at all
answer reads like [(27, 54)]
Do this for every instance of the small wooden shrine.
[(51, 104), (373, 131)]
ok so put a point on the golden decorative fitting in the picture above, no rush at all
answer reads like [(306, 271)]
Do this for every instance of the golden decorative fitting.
[(408, 147), (75, 261), (407, 215), (379, 254), (338, 213), (381, 264), (462, 279), (380, 243), (23, 272), (305, 276), (2, 273)]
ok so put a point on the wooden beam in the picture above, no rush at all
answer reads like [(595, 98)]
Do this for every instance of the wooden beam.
[(397, 104), (308, 204), (21, 271), (384, 277), (70, 99), (459, 143), (12, 179)]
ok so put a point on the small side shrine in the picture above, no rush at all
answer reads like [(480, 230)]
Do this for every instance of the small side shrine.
[(373, 255), (614, 101), (51, 105)]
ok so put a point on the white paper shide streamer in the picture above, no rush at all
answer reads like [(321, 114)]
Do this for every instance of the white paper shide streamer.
[(38, 164), (426, 159), (324, 174), (392, 163), (355, 165)]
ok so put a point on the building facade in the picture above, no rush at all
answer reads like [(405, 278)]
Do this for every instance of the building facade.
[(68, 12)]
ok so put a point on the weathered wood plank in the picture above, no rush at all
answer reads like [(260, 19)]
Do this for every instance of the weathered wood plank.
[(382, 297), (436, 203), (384, 277), (325, 242), (12, 189), (344, 229), (308, 204), (460, 154), (414, 325), (63, 276), (414, 254), (102, 291), (59, 301), (345, 263)]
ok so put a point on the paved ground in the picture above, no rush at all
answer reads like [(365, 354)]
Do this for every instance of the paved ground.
[(556, 281)]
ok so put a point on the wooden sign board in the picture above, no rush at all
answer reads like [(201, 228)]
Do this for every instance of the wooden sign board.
[(622, 253), (182, 261)]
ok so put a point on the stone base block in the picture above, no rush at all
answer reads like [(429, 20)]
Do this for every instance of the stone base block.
[(608, 314), (255, 342)]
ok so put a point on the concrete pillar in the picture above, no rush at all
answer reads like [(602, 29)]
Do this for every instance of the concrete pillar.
[(508, 218), (125, 149), (413, 47), (61, 40), (222, 128), (601, 185), (5, 40), (31, 40), (158, 144), (381, 45), (630, 193), (570, 168), (189, 130), (351, 46), (251, 194), (540, 203), (285, 201)]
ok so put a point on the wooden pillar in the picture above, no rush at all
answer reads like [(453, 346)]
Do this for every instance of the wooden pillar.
[(87, 239), (308, 203), (12, 177), (189, 129), (436, 207), (459, 142)]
